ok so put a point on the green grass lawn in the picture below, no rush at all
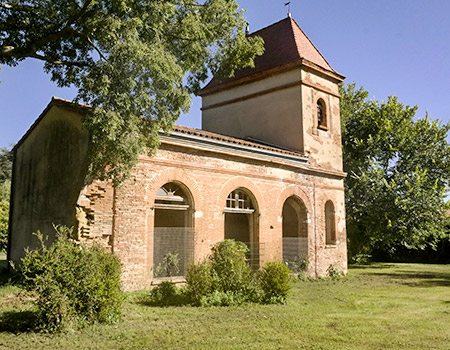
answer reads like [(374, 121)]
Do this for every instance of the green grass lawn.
[(382, 306)]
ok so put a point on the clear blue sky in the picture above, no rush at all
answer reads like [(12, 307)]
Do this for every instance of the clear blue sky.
[(399, 47)]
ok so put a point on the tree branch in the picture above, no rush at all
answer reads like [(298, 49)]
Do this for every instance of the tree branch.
[(11, 51), (97, 49), (23, 8), (67, 30), (58, 62), (7, 51)]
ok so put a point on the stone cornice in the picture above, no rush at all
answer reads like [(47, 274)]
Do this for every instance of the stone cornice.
[(333, 76), (246, 152)]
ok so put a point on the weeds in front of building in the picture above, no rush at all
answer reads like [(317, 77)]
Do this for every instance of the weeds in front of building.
[(226, 279), (73, 284)]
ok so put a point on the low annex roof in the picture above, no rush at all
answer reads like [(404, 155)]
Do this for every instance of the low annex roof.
[(284, 43), (232, 140), (210, 136)]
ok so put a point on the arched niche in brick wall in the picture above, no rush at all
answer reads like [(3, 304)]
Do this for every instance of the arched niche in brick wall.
[(173, 238), (295, 232)]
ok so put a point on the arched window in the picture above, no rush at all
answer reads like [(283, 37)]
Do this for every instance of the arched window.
[(322, 122), (295, 230), (330, 223), (241, 222), (173, 235), (240, 201)]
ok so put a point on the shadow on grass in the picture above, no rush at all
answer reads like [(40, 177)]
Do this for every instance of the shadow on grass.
[(418, 279), (370, 266), (18, 321), (7, 277), (171, 301)]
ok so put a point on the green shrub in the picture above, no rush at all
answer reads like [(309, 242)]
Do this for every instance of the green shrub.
[(275, 281), (333, 272), (75, 284), (229, 263), (167, 294), (200, 281), (224, 279)]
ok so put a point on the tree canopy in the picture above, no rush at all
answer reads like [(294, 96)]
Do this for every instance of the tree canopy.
[(398, 174), (135, 62), (6, 157)]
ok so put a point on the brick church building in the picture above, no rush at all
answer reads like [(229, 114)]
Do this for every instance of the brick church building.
[(265, 169)]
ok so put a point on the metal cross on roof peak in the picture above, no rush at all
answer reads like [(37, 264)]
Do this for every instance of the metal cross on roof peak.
[(288, 4)]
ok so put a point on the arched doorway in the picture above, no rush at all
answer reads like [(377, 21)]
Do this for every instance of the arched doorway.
[(173, 240), (241, 222), (295, 230)]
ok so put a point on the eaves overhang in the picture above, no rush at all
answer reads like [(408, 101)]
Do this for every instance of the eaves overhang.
[(236, 149)]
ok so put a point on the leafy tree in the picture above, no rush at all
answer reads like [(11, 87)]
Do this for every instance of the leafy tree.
[(5, 186), (4, 218), (398, 173), (5, 189), (6, 158), (134, 62)]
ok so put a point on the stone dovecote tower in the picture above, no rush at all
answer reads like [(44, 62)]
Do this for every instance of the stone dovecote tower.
[(290, 98)]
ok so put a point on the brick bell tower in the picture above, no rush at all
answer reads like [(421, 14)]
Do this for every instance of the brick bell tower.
[(290, 99)]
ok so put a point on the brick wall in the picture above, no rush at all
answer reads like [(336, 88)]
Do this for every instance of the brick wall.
[(209, 177)]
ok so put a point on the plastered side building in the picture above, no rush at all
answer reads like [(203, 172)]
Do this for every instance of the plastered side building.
[(266, 169)]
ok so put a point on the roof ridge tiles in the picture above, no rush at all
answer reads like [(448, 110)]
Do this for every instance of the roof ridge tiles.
[(314, 46)]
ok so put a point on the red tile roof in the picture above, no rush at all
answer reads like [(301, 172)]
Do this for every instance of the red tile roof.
[(284, 43), (232, 140)]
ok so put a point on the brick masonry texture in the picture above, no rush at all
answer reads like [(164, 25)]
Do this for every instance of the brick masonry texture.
[(209, 178)]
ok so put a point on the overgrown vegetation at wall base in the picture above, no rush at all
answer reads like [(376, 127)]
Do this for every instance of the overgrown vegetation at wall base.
[(226, 279), (75, 285)]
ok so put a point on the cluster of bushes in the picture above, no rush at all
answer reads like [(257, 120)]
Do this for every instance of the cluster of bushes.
[(74, 284), (224, 279), (77, 285)]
